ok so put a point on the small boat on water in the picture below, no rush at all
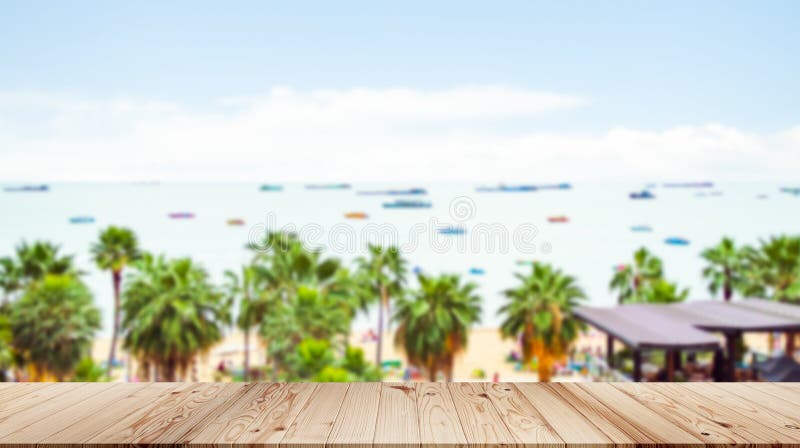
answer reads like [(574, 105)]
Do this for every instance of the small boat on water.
[(502, 188), (644, 194), (641, 228), (561, 186), (235, 222), (403, 192), (81, 220), (417, 270), (689, 185), (524, 262), (341, 186), (762, 196), (271, 187), (676, 241), (476, 271), (356, 215), (560, 219), (791, 190), (27, 189), (181, 215), (402, 203), (452, 230)]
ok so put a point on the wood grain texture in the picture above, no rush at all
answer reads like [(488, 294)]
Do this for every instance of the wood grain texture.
[(394, 415)]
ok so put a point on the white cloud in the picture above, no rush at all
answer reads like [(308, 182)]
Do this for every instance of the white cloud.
[(363, 135)]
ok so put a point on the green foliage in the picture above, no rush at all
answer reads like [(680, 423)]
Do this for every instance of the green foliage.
[(724, 268), (643, 282), (53, 324), (172, 313), (6, 354), (315, 360), (42, 258), (115, 248), (433, 324), (772, 270), (89, 371)]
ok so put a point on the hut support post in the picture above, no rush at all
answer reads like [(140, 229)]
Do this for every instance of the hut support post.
[(637, 365), (610, 351), (731, 345), (670, 361), (790, 345)]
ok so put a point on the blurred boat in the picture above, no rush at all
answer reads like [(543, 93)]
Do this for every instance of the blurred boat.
[(417, 270), (762, 196), (81, 220), (561, 219), (791, 190), (27, 189), (476, 271), (676, 241), (644, 194), (688, 184), (271, 187), (404, 192), (235, 222), (561, 186), (507, 189), (452, 230), (181, 215), (356, 215), (328, 187), (402, 203), (641, 228), (524, 262)]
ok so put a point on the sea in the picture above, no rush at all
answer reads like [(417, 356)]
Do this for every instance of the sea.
[(586, 230)]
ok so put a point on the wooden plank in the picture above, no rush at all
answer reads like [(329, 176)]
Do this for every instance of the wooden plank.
[(439, 425), (782, 392), (483, 426), (91, 425), (524, 422), (743, 412), (59, 420), (355, 425), (570, 425), (52, 404), (758, 395), (397, 425), (705, 425), (626, 412), (275, 413), (32, 396), (314, 422), (13, 391)]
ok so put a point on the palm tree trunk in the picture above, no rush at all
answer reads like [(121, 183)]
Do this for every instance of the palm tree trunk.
[(116, 277), (727, 288), (379, 347), (246, 353)]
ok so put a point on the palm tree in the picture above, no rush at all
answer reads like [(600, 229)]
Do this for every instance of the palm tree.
[(662, 291), (775, 268), (724, 268), (115, 249), (383, 273), (41, 258), (433, 324), (246, 290), (6, 354), (631, 280), (53, 324), (171, 313), (539, 313), (10, 278)]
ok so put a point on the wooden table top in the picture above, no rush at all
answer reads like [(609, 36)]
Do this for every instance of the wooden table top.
[(398, 414)]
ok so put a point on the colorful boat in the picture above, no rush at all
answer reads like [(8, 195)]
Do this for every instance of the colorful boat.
[(341, 186), (402, 203), (476, 271), (452, 230), (81, 220), (404, 192), (641, 228), (181, 215), (676, 241), (271, 187), (561, 219), (27, 189), (356, 215), (524, 262), (644, 194), (235, 222)]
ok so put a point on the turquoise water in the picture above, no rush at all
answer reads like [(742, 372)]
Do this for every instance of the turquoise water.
[(596, 238)]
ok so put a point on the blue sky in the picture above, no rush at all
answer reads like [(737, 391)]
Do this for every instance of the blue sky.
[(646, 66)]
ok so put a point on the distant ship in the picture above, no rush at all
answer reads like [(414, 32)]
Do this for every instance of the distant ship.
[(688, 184), (27, 189), (676, 241), (356, 215), (401, 203), (476, 271), (644, 194), (791, 190), (507, 189), (81, 220), (235, 222), (561, 219), (452, 230), (328, 187), (641, 228), (404, 192), (524, 262), (271, 187), (181, 215)]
